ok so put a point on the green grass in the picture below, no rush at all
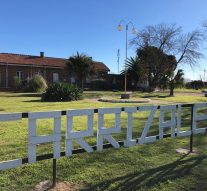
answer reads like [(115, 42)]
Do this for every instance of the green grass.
[(150, 167)]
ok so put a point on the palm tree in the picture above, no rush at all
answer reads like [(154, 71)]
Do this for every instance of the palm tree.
[(81, 67), (135, 70), (176, 81)]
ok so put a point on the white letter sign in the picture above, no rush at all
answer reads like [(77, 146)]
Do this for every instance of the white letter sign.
[(129, 141), (16, 162), (170, 120), (78, 135), (179, 132), (34, 140), (167, 124), (144, 138), (105, 132), (197, 118)]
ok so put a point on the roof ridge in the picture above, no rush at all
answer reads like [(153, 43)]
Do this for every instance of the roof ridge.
[(16, 54), (32, 59)]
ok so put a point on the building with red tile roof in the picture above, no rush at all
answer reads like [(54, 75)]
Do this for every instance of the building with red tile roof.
[(26, 66)]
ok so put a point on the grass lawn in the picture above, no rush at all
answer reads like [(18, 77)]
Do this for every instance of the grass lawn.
[(152, 167)]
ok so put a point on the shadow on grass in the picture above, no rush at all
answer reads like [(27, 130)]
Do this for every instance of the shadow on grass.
[(155, 96), (40, 101), (152, 177), (25, 95), (37, 100), (18, 94)]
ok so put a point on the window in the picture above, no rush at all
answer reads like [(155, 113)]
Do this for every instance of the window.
[(55, 77), (88, 80), (72, 80), (39, 72), (19, 74)]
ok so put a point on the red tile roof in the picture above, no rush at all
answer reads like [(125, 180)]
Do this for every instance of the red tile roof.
[(100, 66), (41, 61)]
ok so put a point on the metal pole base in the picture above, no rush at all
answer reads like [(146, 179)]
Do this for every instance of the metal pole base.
[(54, 173), (125, 96)]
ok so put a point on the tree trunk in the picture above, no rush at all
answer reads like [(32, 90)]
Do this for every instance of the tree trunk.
[(150, 89), (172, 87), (171, 91), (82, 84)]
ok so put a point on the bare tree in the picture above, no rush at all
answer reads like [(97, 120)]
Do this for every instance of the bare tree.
[(204, 24), (172, 41), (162, 36), (204, 28), (189, 48)]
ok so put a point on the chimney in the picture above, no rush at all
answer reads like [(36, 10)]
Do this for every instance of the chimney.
[(41, 54)]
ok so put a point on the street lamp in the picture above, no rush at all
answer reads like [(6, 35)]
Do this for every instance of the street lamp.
[(134, 31)]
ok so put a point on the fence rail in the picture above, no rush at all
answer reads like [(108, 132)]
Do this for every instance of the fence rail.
[(63, 112)]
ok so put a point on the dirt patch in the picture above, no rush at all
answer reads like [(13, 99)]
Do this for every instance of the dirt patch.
[(190, 94), (139, 101), (60, 186), (92, 100), (114, 100), (185, 151)]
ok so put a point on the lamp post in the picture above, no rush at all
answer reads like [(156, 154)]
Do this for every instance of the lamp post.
[(134, 31), (118, 55)]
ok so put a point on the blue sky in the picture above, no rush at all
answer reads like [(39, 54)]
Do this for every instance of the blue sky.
[(62, 27)]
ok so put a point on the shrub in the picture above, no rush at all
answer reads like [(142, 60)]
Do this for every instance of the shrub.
[(36, 84), (196, 84), (62, 92)]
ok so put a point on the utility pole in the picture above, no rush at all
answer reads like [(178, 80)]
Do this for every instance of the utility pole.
[(118, 56), (204, 75)]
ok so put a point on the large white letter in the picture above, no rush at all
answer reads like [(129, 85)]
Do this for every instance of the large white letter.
[(16, 162), (129, 141), (179, 132), (34, 140), (197, 117), (144, 138), (167, 124), (105, 132), (78, 135)]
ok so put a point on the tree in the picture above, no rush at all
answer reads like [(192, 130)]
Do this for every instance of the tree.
[(176, 80), (196, 84), (162, 36), (157, 64), (135, 69), (204, 25), (151, 64), (171, 41), (81, 67)]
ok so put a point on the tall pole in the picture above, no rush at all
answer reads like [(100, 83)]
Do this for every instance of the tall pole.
[(118, 55), (125, 67), (125, 72)]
